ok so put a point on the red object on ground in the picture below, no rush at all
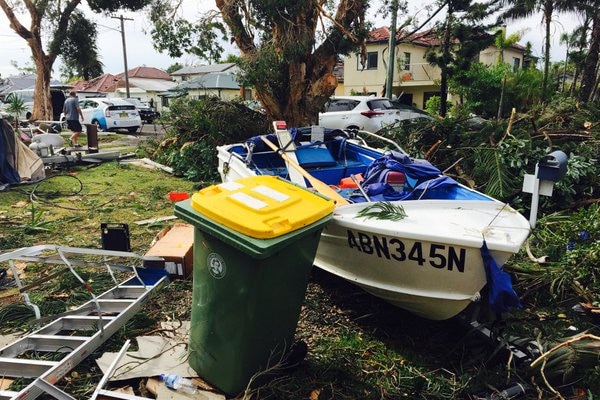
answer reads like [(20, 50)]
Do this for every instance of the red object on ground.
[(178, 196)]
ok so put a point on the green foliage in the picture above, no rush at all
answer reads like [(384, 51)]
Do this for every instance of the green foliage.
[(37, 223), (114, 5), (287, 50), (571, 242), (16, 105), (383, 210), (80, 49), (176, 36), (480, 86), (197, 127), (432, 106), (174, 67)]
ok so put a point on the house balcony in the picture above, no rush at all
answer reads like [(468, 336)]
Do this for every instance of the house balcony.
[(418, 74)]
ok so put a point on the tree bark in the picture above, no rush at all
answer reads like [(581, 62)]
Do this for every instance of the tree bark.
[(588, 78), (308, 72), (445, 62), (42, 103), (548, 11)]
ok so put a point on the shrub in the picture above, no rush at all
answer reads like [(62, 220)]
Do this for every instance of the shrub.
[(197, 127)]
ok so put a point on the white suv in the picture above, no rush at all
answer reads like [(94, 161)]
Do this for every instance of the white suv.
[(368, 113)]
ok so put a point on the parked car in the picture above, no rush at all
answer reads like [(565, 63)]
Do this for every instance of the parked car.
[(58, 100), (367, 113), (110, 113), (147, 114)]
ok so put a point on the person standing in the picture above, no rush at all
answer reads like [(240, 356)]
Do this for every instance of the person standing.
[(73, 112)]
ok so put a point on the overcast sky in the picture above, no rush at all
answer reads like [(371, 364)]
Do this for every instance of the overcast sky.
[(141, 53)]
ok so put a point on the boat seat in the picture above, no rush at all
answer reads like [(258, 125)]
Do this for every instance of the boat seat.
[(315, 157)]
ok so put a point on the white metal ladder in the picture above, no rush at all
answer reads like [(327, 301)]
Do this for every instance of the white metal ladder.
[(79, 332)]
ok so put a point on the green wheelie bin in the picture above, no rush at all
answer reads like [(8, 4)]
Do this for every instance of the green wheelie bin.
[(255, 240)]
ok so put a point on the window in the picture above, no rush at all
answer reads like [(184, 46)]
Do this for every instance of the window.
[(382, 104), (516, 63), (341, 105), (406, 61), (371, 61)]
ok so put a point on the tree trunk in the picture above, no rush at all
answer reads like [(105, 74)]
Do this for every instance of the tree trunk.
[(548, 10), (42, 101), (594, 95), (589, 70), (306, 78), (445, 62)]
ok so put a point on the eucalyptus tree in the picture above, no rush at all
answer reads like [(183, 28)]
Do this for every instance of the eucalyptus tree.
[(288, 48), (49, 22), (519, 9)]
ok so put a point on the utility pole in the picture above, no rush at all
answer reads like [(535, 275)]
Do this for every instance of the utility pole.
[(125, 51), (392, 50)]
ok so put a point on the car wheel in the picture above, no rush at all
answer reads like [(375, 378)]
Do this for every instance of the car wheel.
[(133, 129)]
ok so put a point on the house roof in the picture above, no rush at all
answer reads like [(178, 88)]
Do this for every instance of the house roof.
[(382, 35), (146, 73), (203, 69), (424, 38), (151, 85), (144, 78), (103, 83), (217, 80), (12, 83)]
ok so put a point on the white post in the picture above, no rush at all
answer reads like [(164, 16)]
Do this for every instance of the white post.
[(535, 199)]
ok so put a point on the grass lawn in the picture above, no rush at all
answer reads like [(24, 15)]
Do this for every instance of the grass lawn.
[(359, 347)]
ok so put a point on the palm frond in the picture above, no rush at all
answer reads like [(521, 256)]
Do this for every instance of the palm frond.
[(489, 164), (383, 210)]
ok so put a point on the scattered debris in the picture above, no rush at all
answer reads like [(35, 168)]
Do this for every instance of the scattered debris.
[(150, 163), (155, 219)]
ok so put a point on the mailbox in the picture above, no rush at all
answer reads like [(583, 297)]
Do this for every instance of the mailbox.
[(552, 167)]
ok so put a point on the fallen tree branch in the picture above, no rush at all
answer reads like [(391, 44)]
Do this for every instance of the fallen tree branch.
[(565, 343), (432, 149)]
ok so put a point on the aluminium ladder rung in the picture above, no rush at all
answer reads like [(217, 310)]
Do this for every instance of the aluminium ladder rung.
[(75, 323), (109, 395), (24, 368), (7, 394), (43, 343), (123, 292)]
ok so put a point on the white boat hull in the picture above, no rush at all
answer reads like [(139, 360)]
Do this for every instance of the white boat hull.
[(428, 263)]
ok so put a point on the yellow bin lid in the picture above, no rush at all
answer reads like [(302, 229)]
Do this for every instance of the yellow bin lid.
[(261, 207)]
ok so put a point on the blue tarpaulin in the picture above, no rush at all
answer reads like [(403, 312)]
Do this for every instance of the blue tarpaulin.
[(501, 295)]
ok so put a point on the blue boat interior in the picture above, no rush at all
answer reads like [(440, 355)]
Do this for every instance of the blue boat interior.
[(386, 175)]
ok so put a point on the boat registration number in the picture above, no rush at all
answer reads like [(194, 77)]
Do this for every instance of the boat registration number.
[(437, 255)]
